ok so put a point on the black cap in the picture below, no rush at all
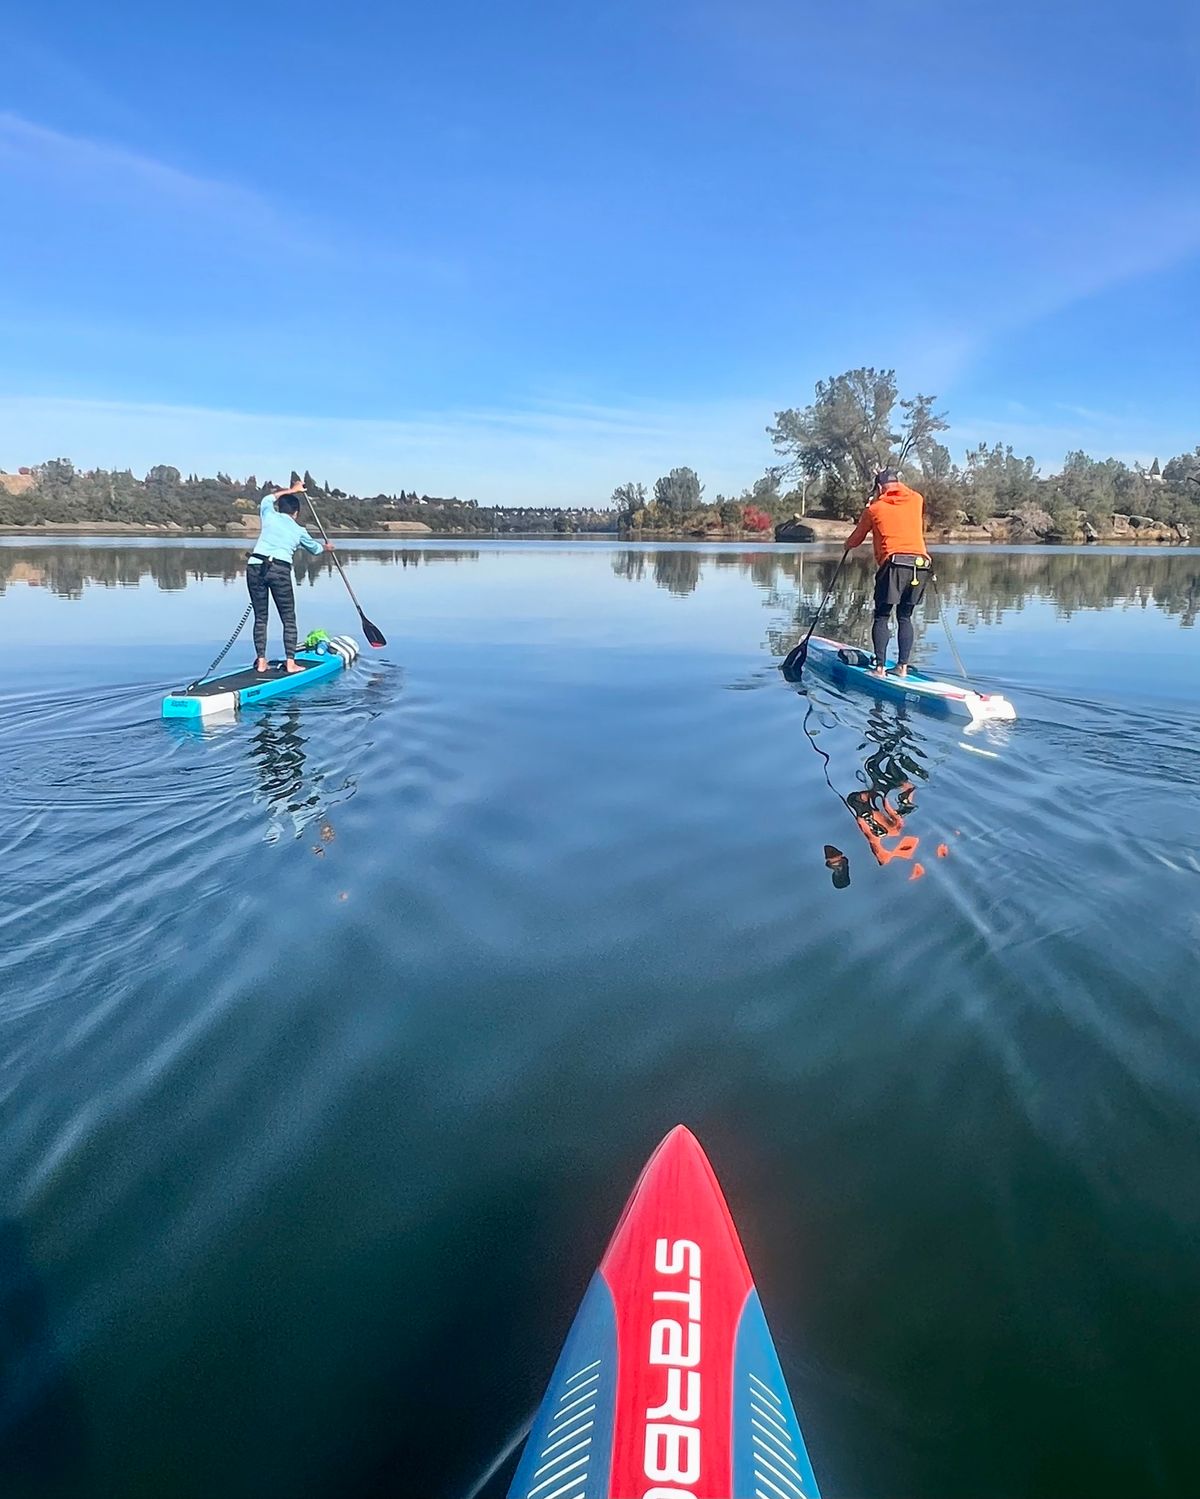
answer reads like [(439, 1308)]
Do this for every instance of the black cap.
[(887, 476)]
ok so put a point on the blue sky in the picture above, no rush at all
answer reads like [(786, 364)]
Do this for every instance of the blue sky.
[(531, 250)]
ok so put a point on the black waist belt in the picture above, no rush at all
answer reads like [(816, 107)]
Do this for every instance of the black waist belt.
[(258, 557), (908, 559)]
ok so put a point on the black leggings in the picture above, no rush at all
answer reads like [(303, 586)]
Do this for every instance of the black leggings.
[(266, 581), (881, 629), (900, 587)]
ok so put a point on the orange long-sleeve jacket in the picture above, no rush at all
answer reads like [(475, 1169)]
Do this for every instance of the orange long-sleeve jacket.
[(895, 522)]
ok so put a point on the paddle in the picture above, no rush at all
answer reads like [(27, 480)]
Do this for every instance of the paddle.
[(373, 633), (962, 670), (793, 662)]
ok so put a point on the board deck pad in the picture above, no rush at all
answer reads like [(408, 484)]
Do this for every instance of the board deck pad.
[(668, 1385), (235, 681)]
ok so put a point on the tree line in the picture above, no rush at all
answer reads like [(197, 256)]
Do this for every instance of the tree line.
[(56, 492), (678, 504), (828, 452)]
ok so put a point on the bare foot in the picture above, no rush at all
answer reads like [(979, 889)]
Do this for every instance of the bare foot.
[(878, 671), (292, 666), (901, 670), (261, 664)]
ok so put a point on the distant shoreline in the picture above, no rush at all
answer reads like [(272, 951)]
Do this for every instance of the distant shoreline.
[(828, 533)]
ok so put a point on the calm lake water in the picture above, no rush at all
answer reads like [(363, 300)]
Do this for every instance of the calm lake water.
[(333, 1041)]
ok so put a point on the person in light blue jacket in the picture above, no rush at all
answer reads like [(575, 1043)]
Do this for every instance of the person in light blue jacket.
[(269, 570)]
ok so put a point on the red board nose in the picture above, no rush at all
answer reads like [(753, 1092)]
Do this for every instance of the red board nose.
[(679, 1281)]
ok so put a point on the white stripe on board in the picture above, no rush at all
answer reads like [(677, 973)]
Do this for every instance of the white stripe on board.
[(772, 1437), (562, 1456), (767, 1390), (570, 1437), (783, 1478), (571, 1420), (586, 1370), (545, 1483), (762, 1478), (579, 1399), (767, 1416), (758, 1441)]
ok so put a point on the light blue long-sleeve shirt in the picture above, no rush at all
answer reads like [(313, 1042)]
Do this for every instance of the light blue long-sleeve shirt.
[(281, 534)]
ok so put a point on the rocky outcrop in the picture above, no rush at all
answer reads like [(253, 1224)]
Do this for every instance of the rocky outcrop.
[(794, 530), (813, 528), (1138, 528), (1031, 523)]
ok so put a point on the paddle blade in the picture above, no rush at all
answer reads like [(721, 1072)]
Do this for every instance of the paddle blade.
[(373, 633), (793, 662)]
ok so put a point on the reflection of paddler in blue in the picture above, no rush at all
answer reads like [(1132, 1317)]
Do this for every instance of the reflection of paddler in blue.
[(277, 748)]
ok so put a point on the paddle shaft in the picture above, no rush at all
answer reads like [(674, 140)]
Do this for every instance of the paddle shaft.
[(333, 554), (799, 654), (371, 630)]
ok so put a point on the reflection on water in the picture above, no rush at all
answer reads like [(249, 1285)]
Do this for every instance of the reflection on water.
[(888, 765), (66, 570), (981, 584), (332, 1038), (276, 746)]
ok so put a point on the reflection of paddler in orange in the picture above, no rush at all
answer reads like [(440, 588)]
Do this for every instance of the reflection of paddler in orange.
[(882, 807), (881, 823)]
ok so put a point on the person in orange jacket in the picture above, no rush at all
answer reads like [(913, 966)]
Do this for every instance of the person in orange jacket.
[(894, 520)]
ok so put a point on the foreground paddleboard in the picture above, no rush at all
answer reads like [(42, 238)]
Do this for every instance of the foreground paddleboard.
[(668, 1386), (239, 689), (848, 666)]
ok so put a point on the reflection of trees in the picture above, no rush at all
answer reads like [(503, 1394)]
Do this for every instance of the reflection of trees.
[(981, 587), (630, 564), (978, 586), (67, 568), (677, 571)]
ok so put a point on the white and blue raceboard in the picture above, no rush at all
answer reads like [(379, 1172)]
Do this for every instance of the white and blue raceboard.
[(226, 694), (848, 666)]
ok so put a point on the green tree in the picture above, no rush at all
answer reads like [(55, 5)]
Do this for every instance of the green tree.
[(846, 432), (940, 482), (763, 494), (996, 482), (627, 500), (919, 428), (678, 492), (850, 432)]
